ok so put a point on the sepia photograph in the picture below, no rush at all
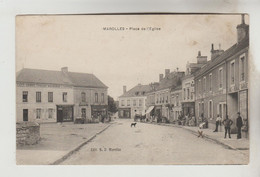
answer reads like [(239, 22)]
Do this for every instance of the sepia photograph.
[(132, 89)]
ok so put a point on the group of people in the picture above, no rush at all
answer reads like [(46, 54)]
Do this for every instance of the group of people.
[(227, 124), (188, 120)]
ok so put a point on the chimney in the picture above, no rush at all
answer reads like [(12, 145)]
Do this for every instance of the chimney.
[(242, 29), (201, 59), (215, 53), (160, 77), (167, 72), (199, 54), (64, 69), (124, 89)]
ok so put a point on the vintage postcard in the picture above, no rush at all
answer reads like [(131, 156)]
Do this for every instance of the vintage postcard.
[(132, 89)]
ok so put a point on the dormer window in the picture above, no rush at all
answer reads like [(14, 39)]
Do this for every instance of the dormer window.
[(83, 97)]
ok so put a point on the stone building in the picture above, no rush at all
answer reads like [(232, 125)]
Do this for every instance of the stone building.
[(222, 84), (188, 91), (150, 102), (133, 101), (176, 107), (58, 96), (161, 96)]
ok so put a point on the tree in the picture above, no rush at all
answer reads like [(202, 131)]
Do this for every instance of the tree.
[(111, 105)]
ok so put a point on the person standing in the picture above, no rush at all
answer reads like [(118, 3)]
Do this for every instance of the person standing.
[(218, 121), (239, 124), (227, 123)]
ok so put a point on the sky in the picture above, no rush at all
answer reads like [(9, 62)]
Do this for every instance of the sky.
[(121, 56)]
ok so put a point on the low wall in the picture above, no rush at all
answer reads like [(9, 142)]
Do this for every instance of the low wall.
[(27, 133)]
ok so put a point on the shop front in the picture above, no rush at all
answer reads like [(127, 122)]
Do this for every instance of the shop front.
[(188, 108), (124, 113), (65, 113), (99, 111), (150, 113), (158, 113)]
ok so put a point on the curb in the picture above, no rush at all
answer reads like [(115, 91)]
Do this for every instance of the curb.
[(63, 158), (207, 137)]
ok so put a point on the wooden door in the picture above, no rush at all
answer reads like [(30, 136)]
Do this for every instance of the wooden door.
[(59, 114), (25, 115)]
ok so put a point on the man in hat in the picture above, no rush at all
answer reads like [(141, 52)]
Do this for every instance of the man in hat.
[(227, 123), (239, 124)]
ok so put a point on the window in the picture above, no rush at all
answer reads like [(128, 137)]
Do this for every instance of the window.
[(50, 96), (220, 78), (221, 110), (177, 99), (184, 94), (199, 109), (232, 73), (204, 84), (199, 86), (242, 69), (83, 97), (25, 96), (210, 82), (50, 113), (134, 102), (64, 96), (191, 95), (166, 99), (96, 97), (210, 110), (128, 102), (188, 93), (122, 102), (140, 102), (102, 97), (38, 113), (163, 98), (38, 96), (202, 108)]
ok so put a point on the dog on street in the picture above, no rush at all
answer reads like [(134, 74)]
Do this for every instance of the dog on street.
[(133, 124)]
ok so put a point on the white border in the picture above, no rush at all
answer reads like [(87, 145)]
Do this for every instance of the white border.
[(10, 8)]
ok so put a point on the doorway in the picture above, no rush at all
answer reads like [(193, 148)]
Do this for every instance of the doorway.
[(64, 113), (83, 113), (25, 115), (59, 114)]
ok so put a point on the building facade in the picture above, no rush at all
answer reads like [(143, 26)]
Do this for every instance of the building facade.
[(222, 84), (133, 102), (58, 96), (176, 100), (188, 83), (160, 97)]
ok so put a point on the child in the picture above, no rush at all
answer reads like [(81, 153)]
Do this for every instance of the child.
[(200, 131)]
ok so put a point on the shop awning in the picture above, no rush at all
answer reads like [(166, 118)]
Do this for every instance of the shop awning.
[(149, 109)]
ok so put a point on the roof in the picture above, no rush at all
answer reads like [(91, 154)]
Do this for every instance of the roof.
[(86, 80), (171, 81), (228, 53), (140, 89), (58, 77), (177, 88)]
